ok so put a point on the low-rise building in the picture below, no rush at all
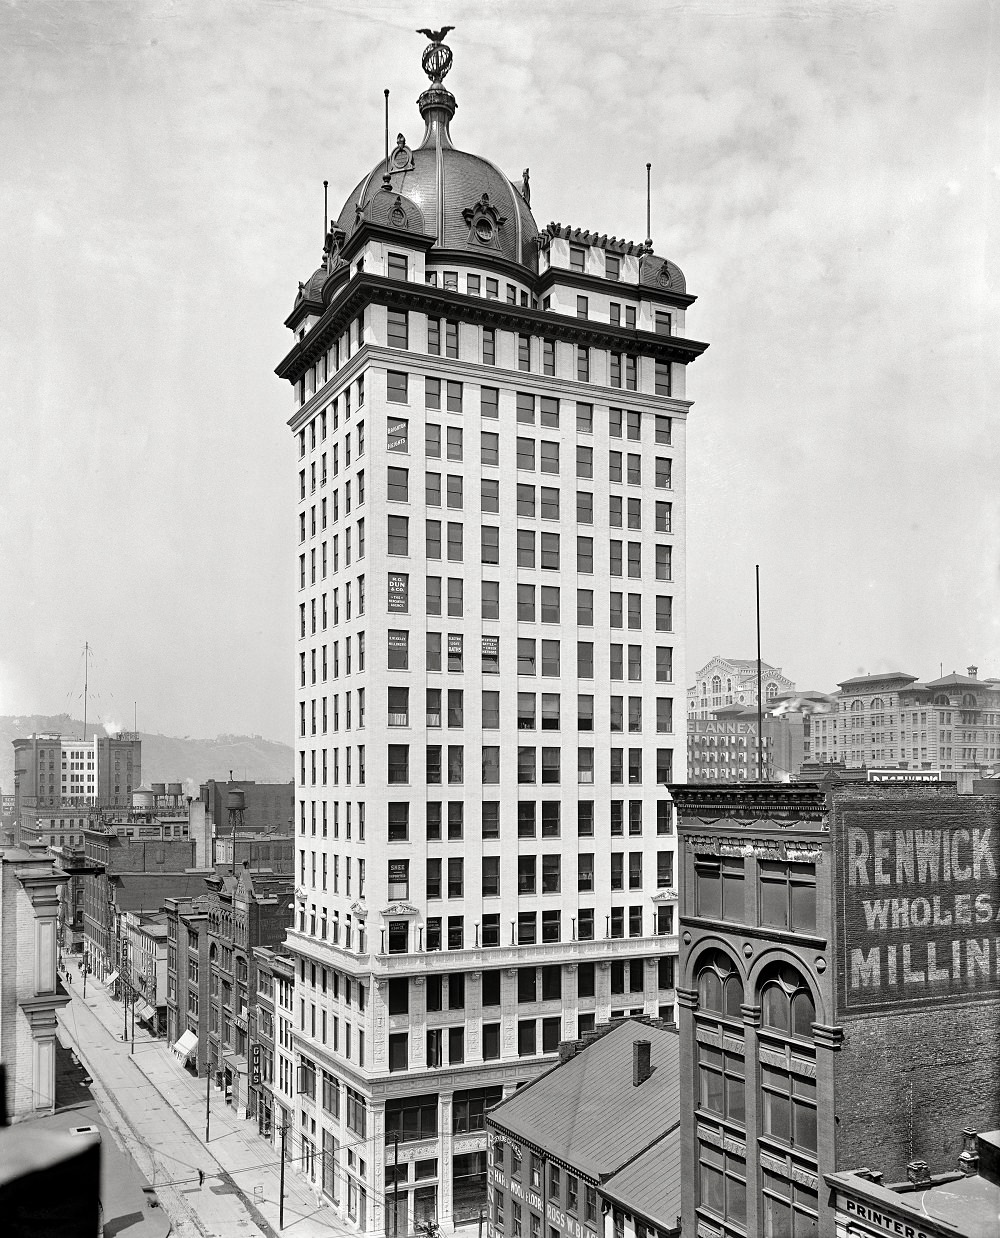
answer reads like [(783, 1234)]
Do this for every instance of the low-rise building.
[(591, 1148), (146, 934), (30, 990), (187, 979), (964, 1203)]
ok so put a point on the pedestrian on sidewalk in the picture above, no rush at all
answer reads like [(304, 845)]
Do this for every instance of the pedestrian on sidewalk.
[(201, 1177)]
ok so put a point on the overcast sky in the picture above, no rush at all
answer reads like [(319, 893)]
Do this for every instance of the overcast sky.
[(826, 174)]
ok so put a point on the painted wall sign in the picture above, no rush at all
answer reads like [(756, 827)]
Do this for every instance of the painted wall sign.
[(399, 594), (918, 919), (758, 848), (877, 1220), (904, 775)]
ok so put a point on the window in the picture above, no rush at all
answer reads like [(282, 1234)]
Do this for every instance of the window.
[(398, 328), (397, 485), (432, 393), (549, 543), (398, 657), (582, 363), (489, 346), (526, 453), (664, 567), (549, 457), (577, 259), (398, 535), (397, 268), (490, 544), (788, 895), (722, 1186), (585, 659), (526, 547), (662, 473), (611, 266), (524, 352), (396, 387), (582, 307), (489, 449), (432, 441), (585, 463), (432, 489), (433, 538), (719, 887), (548, 357), (662, 377), (585, 557)]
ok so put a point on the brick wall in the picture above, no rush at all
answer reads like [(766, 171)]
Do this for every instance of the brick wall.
[(906, 1084), (926, 1062)]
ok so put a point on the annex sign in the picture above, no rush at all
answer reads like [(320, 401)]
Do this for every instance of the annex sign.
[(918, 917)]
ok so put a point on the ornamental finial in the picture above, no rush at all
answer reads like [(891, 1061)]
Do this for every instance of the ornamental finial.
[(436, 59)]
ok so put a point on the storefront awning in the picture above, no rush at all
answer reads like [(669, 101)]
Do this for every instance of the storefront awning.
[(185, 1045), (143, 1011), (109, 980), (238, 1065)]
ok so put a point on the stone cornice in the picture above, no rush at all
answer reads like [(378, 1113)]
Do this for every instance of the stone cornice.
[(365, 288)]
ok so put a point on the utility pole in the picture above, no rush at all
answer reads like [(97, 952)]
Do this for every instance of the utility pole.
[(281, 1176), (208, 1097)]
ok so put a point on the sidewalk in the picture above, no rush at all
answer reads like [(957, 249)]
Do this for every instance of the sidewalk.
[(235, 1156)]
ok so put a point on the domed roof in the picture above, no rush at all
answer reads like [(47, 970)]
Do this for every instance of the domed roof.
[(447, 187), (655, 272)]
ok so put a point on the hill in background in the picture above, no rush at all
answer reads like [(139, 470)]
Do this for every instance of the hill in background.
[(165, 758)]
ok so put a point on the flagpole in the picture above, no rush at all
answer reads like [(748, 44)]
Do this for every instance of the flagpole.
[(760, 703)]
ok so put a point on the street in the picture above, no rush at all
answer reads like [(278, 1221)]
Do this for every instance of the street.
[(155, 1107)]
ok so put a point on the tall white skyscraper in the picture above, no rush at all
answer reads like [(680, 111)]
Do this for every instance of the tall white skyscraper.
[(490, 425)]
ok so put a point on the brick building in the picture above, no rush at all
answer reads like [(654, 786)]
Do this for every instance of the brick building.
[(187, 979), (269, 807), (591, 1148), (839, 991), (245, 910)]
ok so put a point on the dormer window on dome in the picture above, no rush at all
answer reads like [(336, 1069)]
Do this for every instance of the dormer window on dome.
[(485, 222)]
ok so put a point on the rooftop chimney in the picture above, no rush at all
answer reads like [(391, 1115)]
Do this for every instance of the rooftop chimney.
[(641, 1067), (973, 671), (919, 1173), (968, 1162)]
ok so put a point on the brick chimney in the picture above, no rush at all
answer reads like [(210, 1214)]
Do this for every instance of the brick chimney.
[(919, 1173), (973, 671), (641, 1064), (968, 1162)]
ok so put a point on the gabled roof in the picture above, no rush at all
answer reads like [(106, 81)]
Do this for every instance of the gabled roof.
[(651, 1184), (586, 1113)]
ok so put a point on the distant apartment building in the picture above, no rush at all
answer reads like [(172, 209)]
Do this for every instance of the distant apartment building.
[(891, 719), (733, 681), (56, 779), (724, 746)]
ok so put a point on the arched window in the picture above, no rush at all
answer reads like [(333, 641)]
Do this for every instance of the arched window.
[(720, 989), (857, 707), (969, 700), (729, 685), (721, 1095), (788, 1098), (770, 692), (941, 699), (877, 703), (716, 683)]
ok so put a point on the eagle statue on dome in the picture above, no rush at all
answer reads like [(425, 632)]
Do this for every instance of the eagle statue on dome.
[(436, 36)]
